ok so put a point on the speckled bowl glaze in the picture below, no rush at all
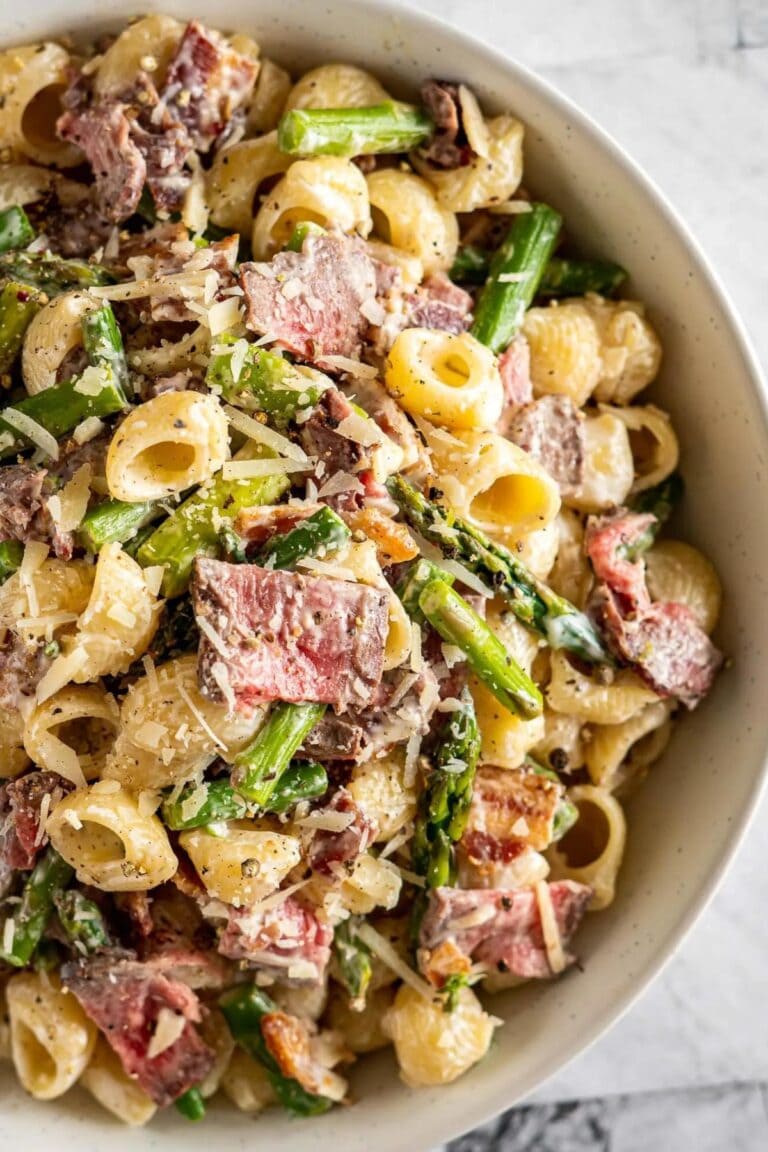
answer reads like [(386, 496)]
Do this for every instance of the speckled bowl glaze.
[(686, 823)]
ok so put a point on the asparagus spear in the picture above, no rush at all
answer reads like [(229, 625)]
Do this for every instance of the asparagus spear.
[(354, 962), (60, 409), (11, 555), (258, 769), (444, 803), (301, 233), (301, 781), (265, 381), (193, 529), (320, 533), (416, 579), (50, 876), (453, 618), (567, 813), (471, 265), (114, 520), (244, 1008), (660, 501), (563, 277), (82, 921), (191, 1104), (103, 342), (15, 229), (533, 603), (386, 127), (53, 274), (523, 253), (18, 305)]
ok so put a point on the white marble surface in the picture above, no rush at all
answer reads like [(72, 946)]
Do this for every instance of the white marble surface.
[(683, 86)]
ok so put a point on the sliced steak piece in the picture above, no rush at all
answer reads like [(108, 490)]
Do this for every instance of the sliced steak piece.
[(448, 146), (283, 636), (500, 929), (320, 438), (311, 301), (552, 430), (609, 542), (207, 82), (134, 1005), (288, 942), (335, 738), (164, 143), (103, 132), (28, 806), (439, 303), (22, 667), (511, 809), (330, 849), (74, 226), (21, 488), (663, 643), (515, 371)]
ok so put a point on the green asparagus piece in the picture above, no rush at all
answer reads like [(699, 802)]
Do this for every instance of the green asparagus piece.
[(319, 534), (567, 813), (532, 602), (301, 233), (563, 277), (81, 920), (15, 229), (258, 769), (387, 127), (354, 962), (18, 305), (103, 343), (417, 577), (660, 501), (266, 382), (53, 274), (114, 520), (524, 252), (11, 555), (471, 265), (301, 781), (444, 802), (244, 1008), (453, 618), (61, 408), (50, 876), (193, 529), (191, 1104)]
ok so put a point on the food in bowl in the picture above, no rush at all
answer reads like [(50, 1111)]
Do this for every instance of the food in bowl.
[(337, 619)]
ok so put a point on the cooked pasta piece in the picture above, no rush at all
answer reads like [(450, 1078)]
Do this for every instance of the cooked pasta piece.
[(269, 96), (244, 864), (363, 1030), (379, 787), (562, 746), (336, 86), (109, 1084), (616, 753), (58, 591), (325, 190), (577, 694), (434, 1046), (55, 331), (505, 737), (652, 439), (216, 1034), (490, 178), (565, 350), (452, 381), (361, 559), (153, 39), (169, 731), (33, 78), (370, 883), (629, 347), (235, 177), (608, 465), (51, 1037), (73, 731), (406, 214), (538, 549), (169, 444), (592, 852), (13, 755), (103, 833), (494, 484), (571, 575), (246, 1084), (24, 184), (677, 571)]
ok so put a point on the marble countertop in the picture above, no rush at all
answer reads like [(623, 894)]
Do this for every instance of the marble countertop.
[(683, 86)]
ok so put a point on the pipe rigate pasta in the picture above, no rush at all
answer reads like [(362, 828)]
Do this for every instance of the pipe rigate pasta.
[(433, 1046), (452, 381), (407, 215), (33, 79), (336, 86), (55, 332), (51, 1037), (109, 1084), (488, 179), (592, 852), (235, 177)]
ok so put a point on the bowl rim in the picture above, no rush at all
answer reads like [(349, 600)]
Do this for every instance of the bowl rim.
[(486, 1105), (487, 1101)]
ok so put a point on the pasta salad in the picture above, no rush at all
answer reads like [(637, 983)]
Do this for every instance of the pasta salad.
[(338, 615)]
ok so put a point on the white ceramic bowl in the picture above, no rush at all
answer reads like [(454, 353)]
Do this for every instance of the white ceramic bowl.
[(686, 822)]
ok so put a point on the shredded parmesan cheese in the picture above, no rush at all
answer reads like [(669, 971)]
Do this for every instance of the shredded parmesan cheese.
[(87, 430), (250, 469), (199, 716), (35, 553), (93, 380), (264, 435), (9, 934), (70, 505), (382, 948), (39, 436), (169, 1027), (326, 820), (360, 429), (549, 928), (223, 315), (353, 367), (211, 634)]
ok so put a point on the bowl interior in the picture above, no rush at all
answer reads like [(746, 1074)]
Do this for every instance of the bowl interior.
[(685, 823)]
